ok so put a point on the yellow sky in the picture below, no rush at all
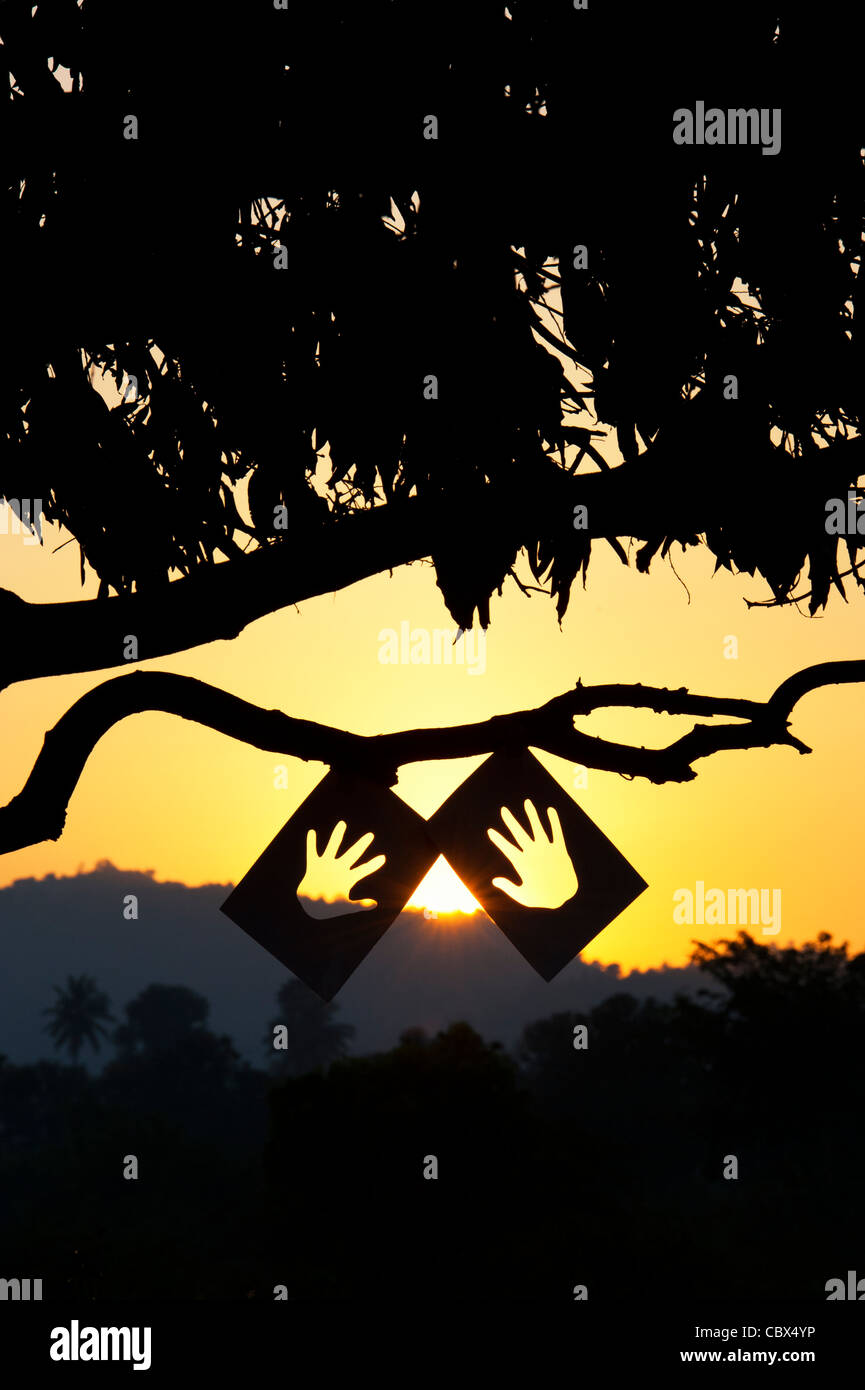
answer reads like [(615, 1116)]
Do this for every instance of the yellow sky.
[(160, 793)]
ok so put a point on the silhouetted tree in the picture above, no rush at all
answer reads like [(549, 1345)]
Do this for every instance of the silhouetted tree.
[(749, 971), (802, 1007), (312, 1037), (404, 335), (79, 1015), (160, 1017), (170, 1064)]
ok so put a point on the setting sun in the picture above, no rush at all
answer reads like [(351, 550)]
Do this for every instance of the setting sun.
[(442, 891)]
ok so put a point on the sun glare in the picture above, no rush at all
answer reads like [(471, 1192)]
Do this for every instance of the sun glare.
[(442, 891)]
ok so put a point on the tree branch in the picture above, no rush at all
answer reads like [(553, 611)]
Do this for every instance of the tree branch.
[(55, 639), (48, 639), (38, 812)]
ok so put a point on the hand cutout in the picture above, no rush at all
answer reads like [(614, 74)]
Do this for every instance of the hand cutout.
[(543, 866), (332, 872)]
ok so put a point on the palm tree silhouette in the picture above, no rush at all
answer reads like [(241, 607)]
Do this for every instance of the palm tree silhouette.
[(78, 1015)]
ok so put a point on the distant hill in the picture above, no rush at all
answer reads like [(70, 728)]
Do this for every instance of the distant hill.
[(422, 974)]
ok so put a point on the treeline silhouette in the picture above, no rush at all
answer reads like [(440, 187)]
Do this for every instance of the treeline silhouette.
[(594, 1154)]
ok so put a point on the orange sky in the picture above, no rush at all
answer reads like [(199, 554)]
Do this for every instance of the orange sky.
[(160, 793)]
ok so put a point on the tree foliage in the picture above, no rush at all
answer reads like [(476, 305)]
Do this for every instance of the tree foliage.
[(300, 134), (161, 1017)]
